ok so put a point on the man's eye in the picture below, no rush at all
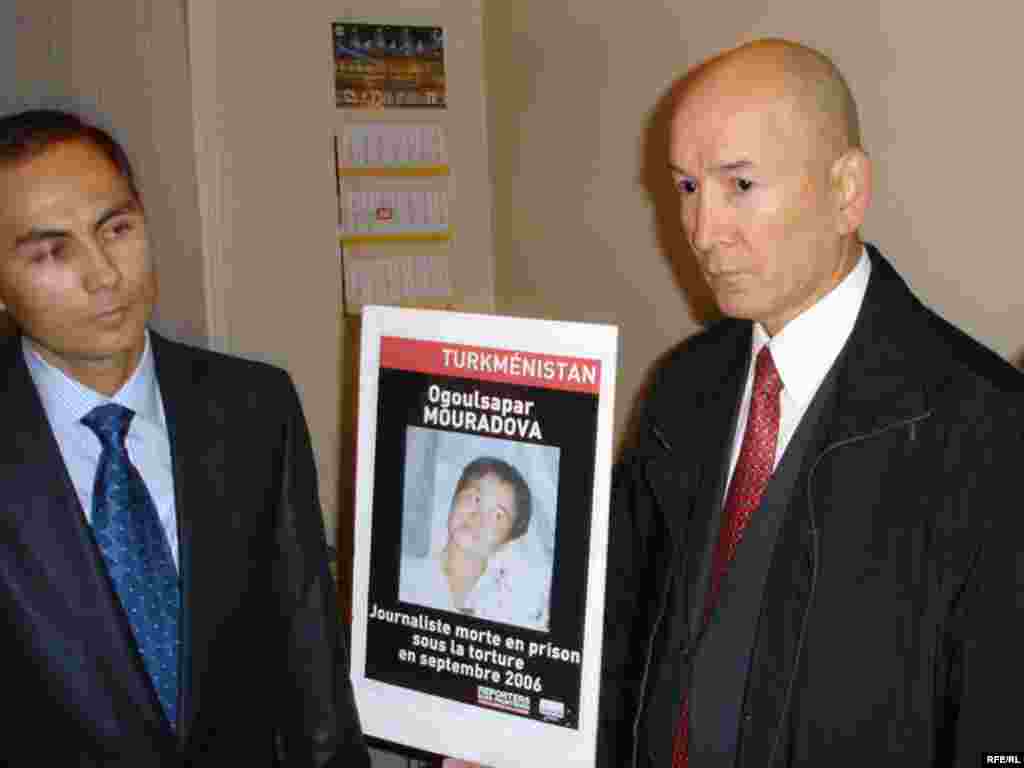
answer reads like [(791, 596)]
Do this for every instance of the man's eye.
[(744, 185), (687, 186), (120, 227), (46, 251)]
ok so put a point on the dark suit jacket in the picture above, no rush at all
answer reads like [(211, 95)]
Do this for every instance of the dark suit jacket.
[(885, 620), (264, 670)]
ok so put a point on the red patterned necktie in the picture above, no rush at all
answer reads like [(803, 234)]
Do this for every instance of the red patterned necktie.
[(754, 468)]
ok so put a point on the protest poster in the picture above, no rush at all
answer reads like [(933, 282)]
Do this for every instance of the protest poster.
[(483, 479)]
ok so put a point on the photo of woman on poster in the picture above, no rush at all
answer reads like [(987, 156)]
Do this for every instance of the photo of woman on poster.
[(484, 568)]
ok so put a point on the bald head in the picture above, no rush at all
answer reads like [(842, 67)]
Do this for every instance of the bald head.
[(801, 78), (765, 152)]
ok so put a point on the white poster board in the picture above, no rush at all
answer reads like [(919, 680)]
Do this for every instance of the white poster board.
[(483, 441)]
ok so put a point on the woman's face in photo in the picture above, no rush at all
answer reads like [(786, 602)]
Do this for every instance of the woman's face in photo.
[(482, 516)]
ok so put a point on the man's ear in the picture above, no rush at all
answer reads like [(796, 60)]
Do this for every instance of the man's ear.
[(851, 183)]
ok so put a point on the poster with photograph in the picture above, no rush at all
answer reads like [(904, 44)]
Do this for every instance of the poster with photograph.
[(481, 533), (388, 65)]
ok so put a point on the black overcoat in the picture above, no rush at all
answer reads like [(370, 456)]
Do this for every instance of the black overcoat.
[(889, 619)]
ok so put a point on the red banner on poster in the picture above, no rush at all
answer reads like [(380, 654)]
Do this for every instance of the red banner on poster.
[(572, 374)]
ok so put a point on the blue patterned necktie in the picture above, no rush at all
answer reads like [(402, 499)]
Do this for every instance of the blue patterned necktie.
[(128, 531)]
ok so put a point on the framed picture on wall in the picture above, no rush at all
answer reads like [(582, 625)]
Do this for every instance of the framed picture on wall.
[(389, 65)]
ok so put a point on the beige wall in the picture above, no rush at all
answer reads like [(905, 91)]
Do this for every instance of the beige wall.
[(228, 111), (41, 37), (233, 161), (8, 83), (265, 117), (228, 108), (32, 71), (8, 36), (128, 70), (261, 104), (470, 251), (585, 226)]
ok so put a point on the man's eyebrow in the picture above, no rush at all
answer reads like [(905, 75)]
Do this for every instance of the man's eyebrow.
[(37, 235), (736, 165), (128, 206), (730, 167)]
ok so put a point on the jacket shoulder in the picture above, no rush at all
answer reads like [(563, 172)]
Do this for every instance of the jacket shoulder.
[(973, 360), (216, 365), (681, 384), (700, 360), (225, 381), (912, 334)]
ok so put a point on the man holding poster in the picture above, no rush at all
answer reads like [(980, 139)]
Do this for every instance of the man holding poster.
[(816, 537)]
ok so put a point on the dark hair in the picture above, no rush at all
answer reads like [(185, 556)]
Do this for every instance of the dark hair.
[(25, 135), (488, 465)]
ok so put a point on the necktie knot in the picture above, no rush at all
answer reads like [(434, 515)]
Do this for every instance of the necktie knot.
[(110, 422)]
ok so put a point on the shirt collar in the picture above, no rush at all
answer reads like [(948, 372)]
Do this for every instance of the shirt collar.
[(67, 400), (806, 347)]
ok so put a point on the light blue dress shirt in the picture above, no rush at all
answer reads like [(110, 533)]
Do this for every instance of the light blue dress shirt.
[(66, 401)]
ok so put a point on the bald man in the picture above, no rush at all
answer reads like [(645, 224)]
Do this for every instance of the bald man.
[(815, 537)]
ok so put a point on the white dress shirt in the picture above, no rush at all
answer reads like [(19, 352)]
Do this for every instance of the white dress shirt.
[(804, 351), (148, 443)]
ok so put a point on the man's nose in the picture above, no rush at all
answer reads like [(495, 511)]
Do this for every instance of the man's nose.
[(708, 221), (101, 268)]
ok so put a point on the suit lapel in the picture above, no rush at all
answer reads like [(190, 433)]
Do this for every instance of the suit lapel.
[(691, 416), (195, 424), (699, 434), (704, 529), (889, 374), (69, 591)]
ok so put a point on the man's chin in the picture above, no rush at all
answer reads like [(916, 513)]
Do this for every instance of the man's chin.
[(741, 306), (108, 351), (738, 310)]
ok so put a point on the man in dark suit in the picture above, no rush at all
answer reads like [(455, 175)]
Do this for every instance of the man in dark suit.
[(162, 558), (815, 547)]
